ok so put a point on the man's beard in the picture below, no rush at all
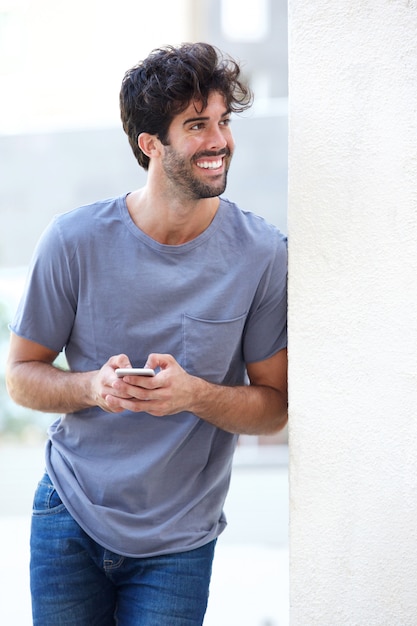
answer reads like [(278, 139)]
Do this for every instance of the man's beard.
[(180, 172)]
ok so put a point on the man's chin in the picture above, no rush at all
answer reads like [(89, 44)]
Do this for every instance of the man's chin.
[(211, 191)]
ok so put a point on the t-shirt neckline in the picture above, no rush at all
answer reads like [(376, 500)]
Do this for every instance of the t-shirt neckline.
[(183, 247)]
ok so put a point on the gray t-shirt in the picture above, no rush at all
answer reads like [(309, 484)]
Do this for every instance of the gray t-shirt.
[(98, 286)]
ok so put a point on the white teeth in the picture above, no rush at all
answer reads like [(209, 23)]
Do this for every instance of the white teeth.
[(210, 165)]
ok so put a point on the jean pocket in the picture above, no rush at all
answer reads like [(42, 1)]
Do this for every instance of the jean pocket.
[(211, 346), (46, 499)]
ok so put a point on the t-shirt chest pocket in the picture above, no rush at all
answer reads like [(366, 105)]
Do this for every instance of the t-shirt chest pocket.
[(211, 345)]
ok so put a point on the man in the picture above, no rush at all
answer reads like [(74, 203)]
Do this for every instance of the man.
[(177, 278)]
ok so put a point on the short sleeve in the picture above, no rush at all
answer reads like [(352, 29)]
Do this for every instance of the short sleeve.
[(47, 308), (266, 329)]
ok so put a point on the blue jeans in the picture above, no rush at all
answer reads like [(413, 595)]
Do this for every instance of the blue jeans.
[(76, 581)]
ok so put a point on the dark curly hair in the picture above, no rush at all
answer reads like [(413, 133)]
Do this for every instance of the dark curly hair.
[(157, 89)]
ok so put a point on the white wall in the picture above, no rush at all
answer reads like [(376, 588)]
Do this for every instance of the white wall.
[(353, 312)]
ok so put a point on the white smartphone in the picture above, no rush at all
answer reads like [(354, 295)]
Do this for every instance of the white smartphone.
[(134, 371)]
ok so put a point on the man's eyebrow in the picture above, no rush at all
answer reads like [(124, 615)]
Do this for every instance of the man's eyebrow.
[(202, 118)]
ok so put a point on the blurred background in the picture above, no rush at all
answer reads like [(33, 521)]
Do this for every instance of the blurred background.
[(61, 146)]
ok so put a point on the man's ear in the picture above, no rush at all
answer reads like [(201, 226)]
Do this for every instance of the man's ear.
[(149, 144)]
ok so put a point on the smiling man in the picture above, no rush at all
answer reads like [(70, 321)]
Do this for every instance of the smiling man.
[(192, 131), (175, 277)]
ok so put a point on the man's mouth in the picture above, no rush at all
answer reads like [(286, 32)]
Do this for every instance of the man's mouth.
[(210, 165)]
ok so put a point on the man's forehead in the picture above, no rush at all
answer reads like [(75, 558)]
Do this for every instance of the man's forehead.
[(196, 108)]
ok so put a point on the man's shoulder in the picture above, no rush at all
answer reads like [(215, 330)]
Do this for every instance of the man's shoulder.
[(91, 211), (251, 227), (84, 221)]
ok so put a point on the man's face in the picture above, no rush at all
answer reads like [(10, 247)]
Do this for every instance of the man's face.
[(200, 147)]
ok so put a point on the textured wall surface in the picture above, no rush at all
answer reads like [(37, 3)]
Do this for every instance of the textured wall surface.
[(353, 312)]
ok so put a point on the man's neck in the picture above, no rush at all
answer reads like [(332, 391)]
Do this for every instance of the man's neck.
[(170, 223)]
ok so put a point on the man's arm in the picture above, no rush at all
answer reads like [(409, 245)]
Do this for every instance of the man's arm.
[(259, 408), (255, 409), (33, 381)]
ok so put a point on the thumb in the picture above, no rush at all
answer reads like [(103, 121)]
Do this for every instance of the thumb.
[(119, 360), (161, 361), (152, 361)]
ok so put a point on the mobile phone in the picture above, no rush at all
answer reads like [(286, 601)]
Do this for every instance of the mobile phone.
[(134, 371)]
